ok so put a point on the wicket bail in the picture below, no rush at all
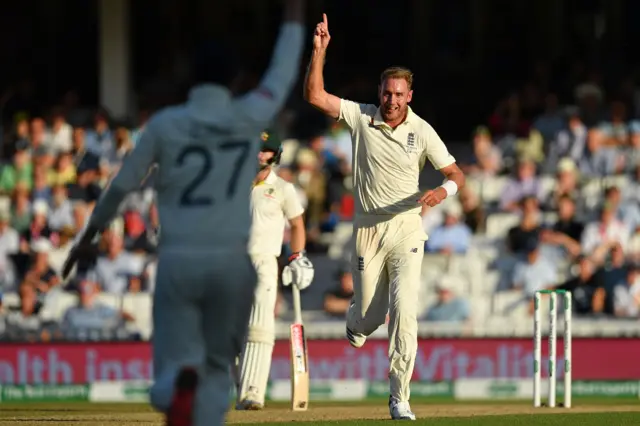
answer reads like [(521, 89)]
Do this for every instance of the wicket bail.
[(537, 346)]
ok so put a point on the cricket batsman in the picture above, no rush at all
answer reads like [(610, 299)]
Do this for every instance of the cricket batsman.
[(390, 146), (273, 202), (205, 152)]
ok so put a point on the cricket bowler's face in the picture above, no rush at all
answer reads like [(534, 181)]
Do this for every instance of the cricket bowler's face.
[(394, 99), (263, 159)]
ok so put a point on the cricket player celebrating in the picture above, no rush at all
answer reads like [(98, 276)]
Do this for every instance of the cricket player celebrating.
[(273, 201), (204, 151), (390, 146)]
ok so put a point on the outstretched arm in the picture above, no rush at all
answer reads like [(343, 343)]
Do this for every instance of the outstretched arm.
[(314, 91), (265, 102)]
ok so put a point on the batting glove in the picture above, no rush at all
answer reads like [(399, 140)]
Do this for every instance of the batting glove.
[(298, 272)]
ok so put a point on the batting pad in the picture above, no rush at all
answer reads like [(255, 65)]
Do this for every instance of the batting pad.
[(255, 362)]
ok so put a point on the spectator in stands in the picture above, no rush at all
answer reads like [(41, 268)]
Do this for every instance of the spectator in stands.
[(524, 184), (118, 269), (61, 132), (61, 213), (20, 170), (551, 121), (40, 275), (614, 272), (64, 171), (615, 132), (453, 236), (41, 189), (337, 301), (25, 318), (633, 250), (627, 297), (534, 272), (627, 212), (100, 138), (571, 142), (92, 315), (519, 237), (449, 307), (84, 189), (312, 180), (83, 156), (123, 145), (487, 158), (9, 237), (566, 184), (598, 236), (632, 152), (474, 215), (9, 245), (59, 252), (566, 233), (80, 215), (21, 209), (41, 152), (39, 226), (587, 288), (598, 160)]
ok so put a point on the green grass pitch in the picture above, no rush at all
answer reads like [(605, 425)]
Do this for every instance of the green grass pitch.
[(432, 412)]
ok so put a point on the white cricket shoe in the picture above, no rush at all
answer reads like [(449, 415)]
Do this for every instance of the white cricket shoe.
[(400, 410), (356, 340)]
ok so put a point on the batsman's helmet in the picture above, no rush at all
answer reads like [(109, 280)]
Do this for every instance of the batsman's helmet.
[(271, 142)]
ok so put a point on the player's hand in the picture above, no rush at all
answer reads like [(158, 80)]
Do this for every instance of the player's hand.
[(433, 197), (321, 35), (80, 250), (298, 272)]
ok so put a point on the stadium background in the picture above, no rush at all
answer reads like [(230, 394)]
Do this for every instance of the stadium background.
[(550, 83)]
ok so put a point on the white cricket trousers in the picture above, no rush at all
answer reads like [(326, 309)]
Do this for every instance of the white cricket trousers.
[(255, 361), (201, 309), (386, 265)]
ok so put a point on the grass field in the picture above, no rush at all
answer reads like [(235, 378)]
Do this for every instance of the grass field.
[(588, 412)]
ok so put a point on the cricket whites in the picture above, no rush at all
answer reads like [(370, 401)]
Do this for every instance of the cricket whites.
[(299, 358)]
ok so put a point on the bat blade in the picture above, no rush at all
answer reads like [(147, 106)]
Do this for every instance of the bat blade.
[(299, 368)]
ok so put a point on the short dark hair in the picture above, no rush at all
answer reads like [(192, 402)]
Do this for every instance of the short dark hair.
[(214, 63)]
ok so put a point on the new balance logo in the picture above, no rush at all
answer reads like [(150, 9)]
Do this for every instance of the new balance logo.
[(360, 263), (414, 250)]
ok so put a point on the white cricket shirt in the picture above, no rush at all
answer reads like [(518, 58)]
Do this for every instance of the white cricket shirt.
[(387, 162), (273, 202), (206, 151)]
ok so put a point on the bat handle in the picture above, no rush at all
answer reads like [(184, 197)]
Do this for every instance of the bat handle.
[(297, 309)]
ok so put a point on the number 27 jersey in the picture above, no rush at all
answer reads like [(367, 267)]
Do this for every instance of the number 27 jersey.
[(203, 180)]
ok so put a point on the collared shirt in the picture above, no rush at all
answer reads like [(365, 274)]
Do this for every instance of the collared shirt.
[(273, 202), (387, 162), (206, 154), (534, 276)]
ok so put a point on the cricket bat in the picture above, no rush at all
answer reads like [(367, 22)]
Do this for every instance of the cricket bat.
[(299, 358)]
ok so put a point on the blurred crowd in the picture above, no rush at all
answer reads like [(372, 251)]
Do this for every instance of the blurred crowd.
[(552, 201)]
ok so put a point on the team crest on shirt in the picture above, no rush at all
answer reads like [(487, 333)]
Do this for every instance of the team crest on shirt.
[(411, 143), (270, 193)]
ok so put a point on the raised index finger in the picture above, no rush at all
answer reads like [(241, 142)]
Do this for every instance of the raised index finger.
[(325, 20)]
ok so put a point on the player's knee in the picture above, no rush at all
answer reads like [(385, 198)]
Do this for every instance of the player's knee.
[(261, 335)]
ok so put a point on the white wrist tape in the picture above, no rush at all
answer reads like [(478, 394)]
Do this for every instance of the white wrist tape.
[(451, 187)]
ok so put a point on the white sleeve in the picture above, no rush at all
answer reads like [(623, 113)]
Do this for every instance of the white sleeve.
[(263, 103), (292, 207), (350, 112), (435, 150), (134, 168)]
